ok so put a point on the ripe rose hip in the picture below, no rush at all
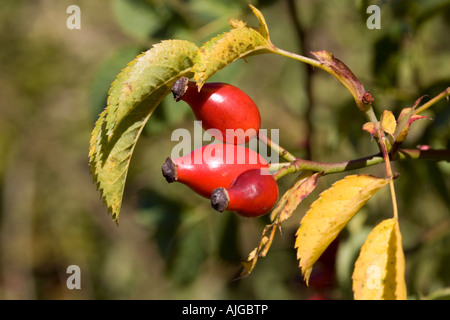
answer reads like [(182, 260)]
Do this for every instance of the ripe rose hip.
[(222, 107), (252, 194), (212, 166)]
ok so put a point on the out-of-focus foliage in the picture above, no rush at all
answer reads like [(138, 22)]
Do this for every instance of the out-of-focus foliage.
[(170, 244)]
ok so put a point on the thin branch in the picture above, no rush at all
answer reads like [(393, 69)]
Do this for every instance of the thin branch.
[(336, 167), (394, 199), (384, 152), (423, 154), (302, 41), (442, 95), (280, 150)]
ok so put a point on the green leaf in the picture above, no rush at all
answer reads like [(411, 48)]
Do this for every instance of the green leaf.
[(240, 42), (329, 214), (133, 96)]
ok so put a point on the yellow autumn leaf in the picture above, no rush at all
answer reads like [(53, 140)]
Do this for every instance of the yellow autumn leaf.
[(405, 119), (300, 192), (380, 268), (388, 122), (239, 42), (300, 189), (371, 127), (329, 214), (252, 258)]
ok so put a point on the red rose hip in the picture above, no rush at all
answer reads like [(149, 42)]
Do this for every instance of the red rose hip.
[(252, 194), (212, 166), (221, 106)]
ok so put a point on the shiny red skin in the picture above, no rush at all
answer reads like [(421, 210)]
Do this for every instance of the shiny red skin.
[(223, 106), (219, 165), (253, 193)]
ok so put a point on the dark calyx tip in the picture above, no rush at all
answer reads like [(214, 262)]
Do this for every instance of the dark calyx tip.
[(220, 199), (179, 88), (169, 170)]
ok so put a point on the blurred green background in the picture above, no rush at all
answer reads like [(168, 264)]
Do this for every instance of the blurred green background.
[(170, 244)]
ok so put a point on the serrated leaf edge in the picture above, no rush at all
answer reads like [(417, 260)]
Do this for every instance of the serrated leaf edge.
[(306, 271)]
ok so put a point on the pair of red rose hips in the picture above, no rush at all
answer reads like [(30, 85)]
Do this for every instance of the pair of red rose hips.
[(222, 107), (234, 177)]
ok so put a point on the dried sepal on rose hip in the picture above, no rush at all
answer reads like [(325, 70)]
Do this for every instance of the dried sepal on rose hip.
[(222, 107), (252, 194), (212, 166)]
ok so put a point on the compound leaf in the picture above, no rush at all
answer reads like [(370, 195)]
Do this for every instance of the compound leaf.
[(133, 96), (380, 268), (240, 42), (329, 214)]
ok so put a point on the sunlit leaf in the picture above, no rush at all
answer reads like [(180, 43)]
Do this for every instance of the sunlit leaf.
[(300, 189), (240, 42), (261, 250), (133, 96), (371, 127), (262, 25), (387, 122), (329, 214), (403, 124), (380, 268), (252, 258), (404, 121), (158, 67), (305, 183)]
